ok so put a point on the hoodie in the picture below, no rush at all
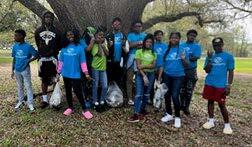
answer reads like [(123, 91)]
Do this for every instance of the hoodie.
[(48, 40)]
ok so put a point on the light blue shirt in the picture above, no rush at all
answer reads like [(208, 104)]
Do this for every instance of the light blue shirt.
[(72, 56), (221, 64), (195, 50), (22, 53), (160, 49)]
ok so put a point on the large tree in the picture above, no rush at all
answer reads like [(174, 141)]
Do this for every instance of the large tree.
[(82, 13)]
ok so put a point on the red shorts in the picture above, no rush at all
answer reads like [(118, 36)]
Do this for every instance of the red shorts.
[(215, 94)]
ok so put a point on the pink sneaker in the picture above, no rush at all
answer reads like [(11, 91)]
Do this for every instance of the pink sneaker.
[(87, 114), (68, 111)]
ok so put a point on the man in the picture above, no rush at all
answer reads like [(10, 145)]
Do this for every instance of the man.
[(194, 50), (48, 40), (135, 39), (116, 43)]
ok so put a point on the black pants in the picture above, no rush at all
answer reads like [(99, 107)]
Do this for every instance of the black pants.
[(187, 88), (76, 85)]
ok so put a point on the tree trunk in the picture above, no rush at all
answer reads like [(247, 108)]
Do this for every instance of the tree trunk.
[(82, 13)]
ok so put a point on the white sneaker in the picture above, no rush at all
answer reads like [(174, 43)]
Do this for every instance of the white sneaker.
[(18, 105), (227, 130), (166, 118), (177, 122), (130, 102), (31, 108), (208, 125)]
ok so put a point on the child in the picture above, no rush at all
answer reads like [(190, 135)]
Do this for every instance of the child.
[(99, 50), (135, 38), (22, 53), (217, 84), (71, 62), (173, 67), (194, 51), (145, 76)]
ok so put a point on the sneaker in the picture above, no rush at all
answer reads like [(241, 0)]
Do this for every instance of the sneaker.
[(208, 125), (167, 118), (44, 104), (227, 130), (87, 114), (130, 102), (31, 108), (18, 105), (177, 122), (68, 111), (134, 118)]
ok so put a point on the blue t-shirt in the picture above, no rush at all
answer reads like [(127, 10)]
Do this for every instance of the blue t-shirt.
[(195, 50), (221, 63), (22, 53), (118, 46), (160, 49), (173, 65), (72, 56), (134, 37), (83, 44)]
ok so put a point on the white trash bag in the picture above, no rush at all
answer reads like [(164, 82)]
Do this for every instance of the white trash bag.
[(114, 96), (159, 95), (55, 99)]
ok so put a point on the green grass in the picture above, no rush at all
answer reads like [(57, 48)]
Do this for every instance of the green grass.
[(242, 65), (5, 60), (51, 128)]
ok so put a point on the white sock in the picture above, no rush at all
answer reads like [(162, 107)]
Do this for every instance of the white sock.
[(45, 98), (227, 125), (96, 103), (211, 120)]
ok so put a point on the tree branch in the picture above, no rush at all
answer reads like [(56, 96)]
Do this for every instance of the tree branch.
[(36, 8), (236, 7), (169, 18)]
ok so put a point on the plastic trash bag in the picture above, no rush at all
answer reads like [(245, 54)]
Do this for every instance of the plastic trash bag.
[(114, 96), (56, 96), (159, 95)]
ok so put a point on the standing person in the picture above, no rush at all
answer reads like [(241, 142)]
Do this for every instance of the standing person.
[(23, 53), (99, 50), (116, 42), (217, 83), (175, 61), (135, 39), (159, 48), (145, 76), (194, 51), (48, 41), (71, 62)]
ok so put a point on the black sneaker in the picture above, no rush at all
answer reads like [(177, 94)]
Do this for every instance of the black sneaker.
[(134, 118), (43, 105), (144, 112)]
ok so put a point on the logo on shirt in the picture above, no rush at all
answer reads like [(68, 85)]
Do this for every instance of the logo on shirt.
[(159, 50), (218, 61), (47, 36), (20, 54), (70, 52), (172, 56), (187, 49)]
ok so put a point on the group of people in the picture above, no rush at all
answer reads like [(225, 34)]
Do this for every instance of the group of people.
[(134, 61)]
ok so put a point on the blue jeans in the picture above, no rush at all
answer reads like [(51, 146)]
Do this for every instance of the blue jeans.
[(174, 85), (142, 92), (24, 78), (102, 77)]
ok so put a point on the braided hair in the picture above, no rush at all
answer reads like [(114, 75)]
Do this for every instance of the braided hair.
[(170, 45)]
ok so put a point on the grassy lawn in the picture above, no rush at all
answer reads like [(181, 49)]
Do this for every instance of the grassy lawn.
[(50, 128)]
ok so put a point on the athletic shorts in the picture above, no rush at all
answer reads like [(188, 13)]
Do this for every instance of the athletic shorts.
[(215, 94), (47, 70)]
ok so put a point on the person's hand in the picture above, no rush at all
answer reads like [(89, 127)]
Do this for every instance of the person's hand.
[(209, 54), (146, 81), (110, 42), (88, 77), (227, 90), (183, 56), (57, 77), (12, 75), (141, 67), (92, 40)]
